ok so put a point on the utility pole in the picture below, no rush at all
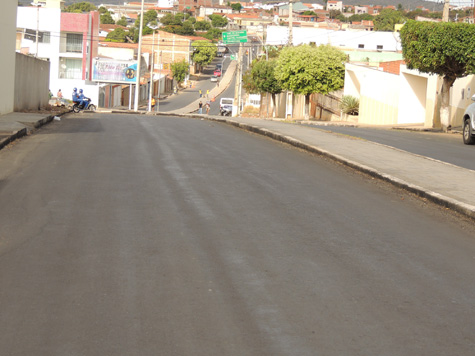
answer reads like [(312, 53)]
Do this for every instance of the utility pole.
[(139, 57), (291, 18), (445, 13), (151, 68), (237, 86)]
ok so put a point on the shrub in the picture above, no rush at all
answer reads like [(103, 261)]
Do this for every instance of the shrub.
[(350, 105)]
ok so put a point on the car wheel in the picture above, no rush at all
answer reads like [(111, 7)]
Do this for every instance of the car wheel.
[(467, 135)]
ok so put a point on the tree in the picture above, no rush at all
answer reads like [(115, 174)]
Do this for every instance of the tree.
[(106, 18), (361, 17), (218, 20), (80, 7), (236, 6), (204, 52), (263, 74), (306, 70), (202, 26), (387, 19), (103, 10), (443, 48), (118, 35), (213, 34), (168, 19), (122, 22), (179, 70), (185, 30), (148, 17)]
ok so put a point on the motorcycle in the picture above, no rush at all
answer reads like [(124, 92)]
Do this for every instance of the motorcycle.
[(77, 107), (225, 112)]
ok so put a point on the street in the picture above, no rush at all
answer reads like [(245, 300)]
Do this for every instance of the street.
[(155, 235), (445, 147)]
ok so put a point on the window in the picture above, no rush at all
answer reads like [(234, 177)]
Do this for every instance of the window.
[(379, 47), (43, 37), (361, 46), (70, 68), (73, 43)]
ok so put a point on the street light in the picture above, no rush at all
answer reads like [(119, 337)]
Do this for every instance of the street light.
[(139, 55), (152, 27), (38, 5)]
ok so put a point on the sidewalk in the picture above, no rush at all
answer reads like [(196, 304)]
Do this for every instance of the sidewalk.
[(16, 124)]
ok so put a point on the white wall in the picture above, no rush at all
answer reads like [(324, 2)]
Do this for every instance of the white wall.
[(7, 58), (278, 35), (377, 91)]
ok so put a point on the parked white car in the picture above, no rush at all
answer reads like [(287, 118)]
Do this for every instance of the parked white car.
[(469, 124)]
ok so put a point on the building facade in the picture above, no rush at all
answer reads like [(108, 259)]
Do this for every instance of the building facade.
[(69, 41)]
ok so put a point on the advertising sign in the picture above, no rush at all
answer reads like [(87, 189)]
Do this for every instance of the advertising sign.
[(115, 71)]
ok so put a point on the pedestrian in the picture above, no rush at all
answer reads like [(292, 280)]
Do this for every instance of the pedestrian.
[(217, 83), (207, 93), (208, 106), (153, 104), (201, 94), (60, 94), (200, 106), (50, 94)]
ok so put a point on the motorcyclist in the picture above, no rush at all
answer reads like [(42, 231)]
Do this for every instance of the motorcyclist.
[(75, 98), (84, 101)]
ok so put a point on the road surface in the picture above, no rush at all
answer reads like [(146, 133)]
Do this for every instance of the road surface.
[(137, 235)]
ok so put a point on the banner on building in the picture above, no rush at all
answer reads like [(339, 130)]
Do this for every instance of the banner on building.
[(115, 71)]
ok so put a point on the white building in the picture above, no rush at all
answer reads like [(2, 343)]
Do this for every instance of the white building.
[(377, 41), (334, 5), (67, 40)]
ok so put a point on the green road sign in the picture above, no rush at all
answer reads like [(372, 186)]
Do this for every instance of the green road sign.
[(233, 57), (235, 37)]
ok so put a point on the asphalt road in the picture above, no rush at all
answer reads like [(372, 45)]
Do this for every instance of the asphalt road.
[(137, 235), (446, 147)]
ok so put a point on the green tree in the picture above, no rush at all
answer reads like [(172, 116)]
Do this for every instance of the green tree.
[(444, 48), (122, 22), (148, 17), (204, 52), (218, 20), (306, 70), (263, 74), (180, 69), (202, 26), (386, 20), (80, 7), (103, 10), (168, 19), (185, 30), (236, 6), (118, 35), (309, 13), (213, 34), (107, 19), (360, 17)]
